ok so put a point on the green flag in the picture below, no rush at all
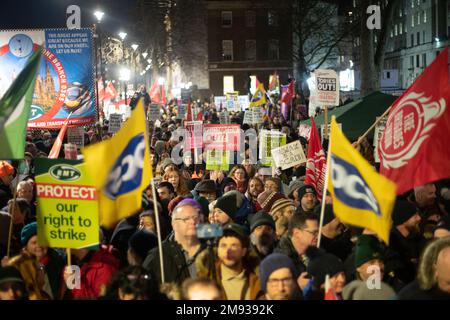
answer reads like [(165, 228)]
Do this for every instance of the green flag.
[(15, 110)]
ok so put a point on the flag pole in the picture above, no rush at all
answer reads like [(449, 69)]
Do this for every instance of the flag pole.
[(324, 193), (325, 130), (8, 250), (373, 126), (158, 230)]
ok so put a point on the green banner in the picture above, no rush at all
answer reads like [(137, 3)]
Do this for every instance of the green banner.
[(270, 140), (217, 160), (67, 207)]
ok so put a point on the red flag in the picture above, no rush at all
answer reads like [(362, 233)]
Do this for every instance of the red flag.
[(274, 83), (58, 142), (317, 163), (413, 148), (199, 116), (154, 93), (289, 93), (110, 92), (257, 83), (189, 112), (163, 99), (329, 292), (100, 90)]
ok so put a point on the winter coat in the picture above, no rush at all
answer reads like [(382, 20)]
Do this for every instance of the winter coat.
[(176, 268), (251, 266), (286, 247), (413, 292), (5, 195), (96, 273)]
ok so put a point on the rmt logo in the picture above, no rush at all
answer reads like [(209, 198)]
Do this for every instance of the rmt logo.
[(126, 174)]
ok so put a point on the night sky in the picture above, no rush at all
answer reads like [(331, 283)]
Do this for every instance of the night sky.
[(26, 14)]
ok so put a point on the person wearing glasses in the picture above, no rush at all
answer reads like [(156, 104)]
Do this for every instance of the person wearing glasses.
[(303, 231), (277, 277), (181, 248)]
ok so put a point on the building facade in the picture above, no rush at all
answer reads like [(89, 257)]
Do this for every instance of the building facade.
[(247, 40)]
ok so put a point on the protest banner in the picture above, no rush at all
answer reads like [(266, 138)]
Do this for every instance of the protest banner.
[(217, 160), (76, 136), (224, 117), (115, 123), (194, 135), (327, 87), (64, 82), (379, 129), (181, 111), (304, 131), (269, 140), (254, 115), (288, 155), (153, 112), (222, 137), (67, 207), (322, 129), (232, 101)]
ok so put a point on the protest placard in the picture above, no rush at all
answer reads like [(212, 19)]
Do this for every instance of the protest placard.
[(67, 207), (322, 128), (153, 112), (327, 87), (269, 140), (224, 117), (254, 115), (222, 137), (304, 131), (288, 155), (181, 111), (217, 160), (115, 123), (232, 102), (76, 136), (194, 135)]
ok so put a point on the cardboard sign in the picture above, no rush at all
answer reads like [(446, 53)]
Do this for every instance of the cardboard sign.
[(67, 207), (289, 155), (217, 160), (327, 87), (379, 129), (269, 140), (76, 136), (254, 115), (181, 112), (244, 102), (115, 123), (194, 135), (222, 137), (153, 112), (232, 102)]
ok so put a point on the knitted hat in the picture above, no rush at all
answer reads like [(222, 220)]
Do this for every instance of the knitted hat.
[(27, 232), (207, 185), (328, 215), (322, 264), (261, 218), (271, 263), (367, 248), (160, 147), (165, 163), (280, 204), (358, 290), (141, 242), (204, 204), (306, 189), (230, 203), (294, 185), (267, 198), (238, 231), (10, 274), (6, 169), (403, 211)]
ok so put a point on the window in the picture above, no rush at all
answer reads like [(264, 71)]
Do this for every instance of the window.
[(400, 13), (396, 30), (418, 18), (252, 83), (412, 4), (401, 28), (388, 75), (412, 21), (424, 14), (250, 49), (273, 49), (392, 33), (411, 60), (227, 19), (418, 38), (417, 61), (418, 2), (423, 37), (227, 50), (228, 84), (272, 18), (424, 60), (412, 40), (250, 18)]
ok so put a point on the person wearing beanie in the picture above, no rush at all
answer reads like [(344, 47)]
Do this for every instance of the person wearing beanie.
[(282, 211), (322, 264), (308, 198), (294, 186), (12, 286), (369, 253), (263, 239), (267, 198), (140, 243), (277, 275), (406, 241), (442, 229), (232, 206), (37, 263), (6, 177), (228, 184), (207, 189), (334, 239), (233, 268)]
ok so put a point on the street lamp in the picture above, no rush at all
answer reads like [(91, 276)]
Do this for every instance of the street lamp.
[(98, 44), (122, 35), (145, 54), (134, 46), (99, 15)]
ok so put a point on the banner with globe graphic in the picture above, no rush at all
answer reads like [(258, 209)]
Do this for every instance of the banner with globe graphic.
[(65, 82)]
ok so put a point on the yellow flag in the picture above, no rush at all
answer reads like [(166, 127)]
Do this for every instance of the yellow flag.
[(361, 196), (259, 98), (121, 169)]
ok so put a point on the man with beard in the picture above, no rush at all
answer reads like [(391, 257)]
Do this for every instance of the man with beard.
[(282, 211), (166, 191), (277, 277), (307, 197), (255, 188), (405, 241), (262, 237)]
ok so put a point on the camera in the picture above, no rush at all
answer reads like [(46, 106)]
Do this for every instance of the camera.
[(209, 231)]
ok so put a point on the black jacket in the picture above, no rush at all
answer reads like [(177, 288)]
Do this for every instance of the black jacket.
[(413, 292), (176, 268), (286, 247), (5, 195)]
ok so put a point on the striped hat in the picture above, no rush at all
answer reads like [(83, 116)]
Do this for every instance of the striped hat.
[(280, 205), (267, 198)]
